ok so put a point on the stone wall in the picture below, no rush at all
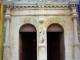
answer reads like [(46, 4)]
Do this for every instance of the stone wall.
[(46, 15)]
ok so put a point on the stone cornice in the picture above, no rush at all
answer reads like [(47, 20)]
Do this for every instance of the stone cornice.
[(73, 5), (41, 7), (55, 4), (34, 3), (38, 5)]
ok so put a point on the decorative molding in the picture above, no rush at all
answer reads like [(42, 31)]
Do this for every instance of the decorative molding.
[(7, 17), (9, 7), (39, 6), (34, 3), (57, 4), (74, 16), (73, 6), (8, 13), (42, 15)]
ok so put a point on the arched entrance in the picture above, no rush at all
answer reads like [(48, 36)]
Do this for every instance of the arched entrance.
[(28, 42), (55, 42)]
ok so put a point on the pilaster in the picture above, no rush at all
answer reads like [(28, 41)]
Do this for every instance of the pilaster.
[(42, 46), (6, 43), (76, 42)]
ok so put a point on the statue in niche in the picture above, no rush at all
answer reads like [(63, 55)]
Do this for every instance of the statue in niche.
[(42, 37)]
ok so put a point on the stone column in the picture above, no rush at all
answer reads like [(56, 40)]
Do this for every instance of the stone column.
[(76, 42), (7, 44)]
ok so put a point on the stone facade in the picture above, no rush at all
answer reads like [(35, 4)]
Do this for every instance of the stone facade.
[(41, 16)]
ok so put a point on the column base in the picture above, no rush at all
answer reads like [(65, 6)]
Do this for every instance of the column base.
[(6, 51), (6, 54)]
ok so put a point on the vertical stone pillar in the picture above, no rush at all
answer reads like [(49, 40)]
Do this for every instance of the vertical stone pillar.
[(42, 45), (76, 42), (6, 43)]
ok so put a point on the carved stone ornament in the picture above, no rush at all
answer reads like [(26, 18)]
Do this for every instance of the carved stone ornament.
[(7, 17), (74, 16), (41, 19), (41, 37)]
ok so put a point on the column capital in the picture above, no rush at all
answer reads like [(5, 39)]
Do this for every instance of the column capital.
[(9, 6), (74, 16), (73, 6), (7, 17), (73, 9), (8, 13)]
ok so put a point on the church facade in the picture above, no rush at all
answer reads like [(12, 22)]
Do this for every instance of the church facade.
[(41, 30)]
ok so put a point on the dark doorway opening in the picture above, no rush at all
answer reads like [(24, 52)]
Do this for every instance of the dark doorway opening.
[(28, 46), (55, 42), (53, 45)]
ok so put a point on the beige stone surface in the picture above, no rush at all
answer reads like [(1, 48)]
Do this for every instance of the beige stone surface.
[(20, 17), (36, 11)]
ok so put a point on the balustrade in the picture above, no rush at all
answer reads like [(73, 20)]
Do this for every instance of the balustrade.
[(37, 0)]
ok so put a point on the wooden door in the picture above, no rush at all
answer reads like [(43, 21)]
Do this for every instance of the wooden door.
[(28, 42), (55, 42)]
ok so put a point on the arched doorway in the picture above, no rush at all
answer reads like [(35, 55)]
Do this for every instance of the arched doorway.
[(55, 42), (27, 42)]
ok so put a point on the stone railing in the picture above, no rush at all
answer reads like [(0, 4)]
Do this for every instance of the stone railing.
[(37, 0), (41, 2)]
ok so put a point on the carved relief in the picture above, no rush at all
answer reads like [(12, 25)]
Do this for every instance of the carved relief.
[(42, 35)]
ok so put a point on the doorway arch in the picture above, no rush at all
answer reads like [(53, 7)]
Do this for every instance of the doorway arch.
[(55, 42), (27, 42)]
